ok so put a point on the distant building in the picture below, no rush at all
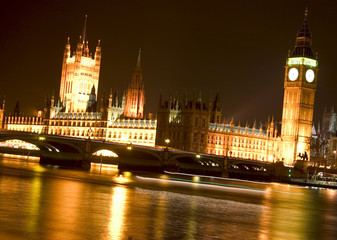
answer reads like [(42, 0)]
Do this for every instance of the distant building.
[(77, 114), (329, 123), (195, 125), (327, 131)]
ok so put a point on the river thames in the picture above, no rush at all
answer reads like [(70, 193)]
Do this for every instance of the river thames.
[(49, 203)]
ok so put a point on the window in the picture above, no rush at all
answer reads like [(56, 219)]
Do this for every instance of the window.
[(196, 121)]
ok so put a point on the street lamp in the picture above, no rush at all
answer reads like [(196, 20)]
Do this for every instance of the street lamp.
[(167, 141)]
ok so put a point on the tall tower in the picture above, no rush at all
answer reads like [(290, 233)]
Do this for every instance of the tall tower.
[(135, 95), (300, 83), (80, 73)]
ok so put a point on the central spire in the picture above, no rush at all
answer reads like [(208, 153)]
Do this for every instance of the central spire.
[(138, 59), (84, 30), (303, 40)]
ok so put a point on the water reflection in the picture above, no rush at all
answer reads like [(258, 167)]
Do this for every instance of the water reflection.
[(191, 227), (296, 215), (34, 202), (117, 212), (41, 203), (64, 199)]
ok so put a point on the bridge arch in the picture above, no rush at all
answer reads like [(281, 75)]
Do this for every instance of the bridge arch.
[(105, 153), (47, 144), (195, 164)]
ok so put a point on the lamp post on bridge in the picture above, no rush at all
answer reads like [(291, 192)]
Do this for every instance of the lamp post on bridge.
[(166, 150), (226, 160), (167, 141), (88, 142)]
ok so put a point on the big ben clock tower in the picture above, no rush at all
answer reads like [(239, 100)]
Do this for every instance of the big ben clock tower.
[(299, 95)]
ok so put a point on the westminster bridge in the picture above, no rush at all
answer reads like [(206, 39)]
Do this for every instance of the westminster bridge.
[(79, 153)]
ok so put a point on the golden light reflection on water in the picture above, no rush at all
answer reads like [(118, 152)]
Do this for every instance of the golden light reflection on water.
[(117, 212), (191, 224), (282, 216), (34, 208), (62, 206), (108, 169), (66, 197), (331, 194), (160, 215)]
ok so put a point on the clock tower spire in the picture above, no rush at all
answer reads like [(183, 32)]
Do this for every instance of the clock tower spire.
[(300, 83)]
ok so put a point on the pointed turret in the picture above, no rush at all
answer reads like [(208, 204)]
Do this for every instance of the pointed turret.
[(67, 49), (92, 104), (254, 126), (98, 55), (216, 110), (110, 98), (117, 99), (123, 99), (272, 127), (17, 108), (4, 103), (303, 41)]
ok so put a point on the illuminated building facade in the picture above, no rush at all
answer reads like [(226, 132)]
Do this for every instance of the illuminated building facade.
[(76, 113), (80, 76), (185, 123), (195, 125), (190, 124), (135, 95), (299, 95)]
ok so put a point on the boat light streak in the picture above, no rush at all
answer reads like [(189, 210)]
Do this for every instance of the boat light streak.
[(217, 185)]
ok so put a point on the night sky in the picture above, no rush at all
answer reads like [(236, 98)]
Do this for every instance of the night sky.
[(236, 48)]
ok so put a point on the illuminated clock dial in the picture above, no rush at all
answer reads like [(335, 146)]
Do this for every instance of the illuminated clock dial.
[(293, 74), (310, 75)]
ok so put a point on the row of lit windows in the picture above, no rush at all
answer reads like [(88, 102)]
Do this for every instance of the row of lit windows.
[(100, 133), (78, 123), (25, 128), (234, 141), (130, 135), (77, 132), (86, 74)]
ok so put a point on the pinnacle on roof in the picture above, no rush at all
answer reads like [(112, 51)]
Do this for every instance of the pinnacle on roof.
[(84, 30), (138, 59)]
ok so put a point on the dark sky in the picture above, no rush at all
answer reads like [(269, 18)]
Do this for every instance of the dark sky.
[(236, 48)]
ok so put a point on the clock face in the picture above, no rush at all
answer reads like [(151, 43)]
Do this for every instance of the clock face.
[(310, 75), (293, 74)]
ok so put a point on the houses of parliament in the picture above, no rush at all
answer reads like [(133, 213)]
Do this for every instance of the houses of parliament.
[(190, 123)]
